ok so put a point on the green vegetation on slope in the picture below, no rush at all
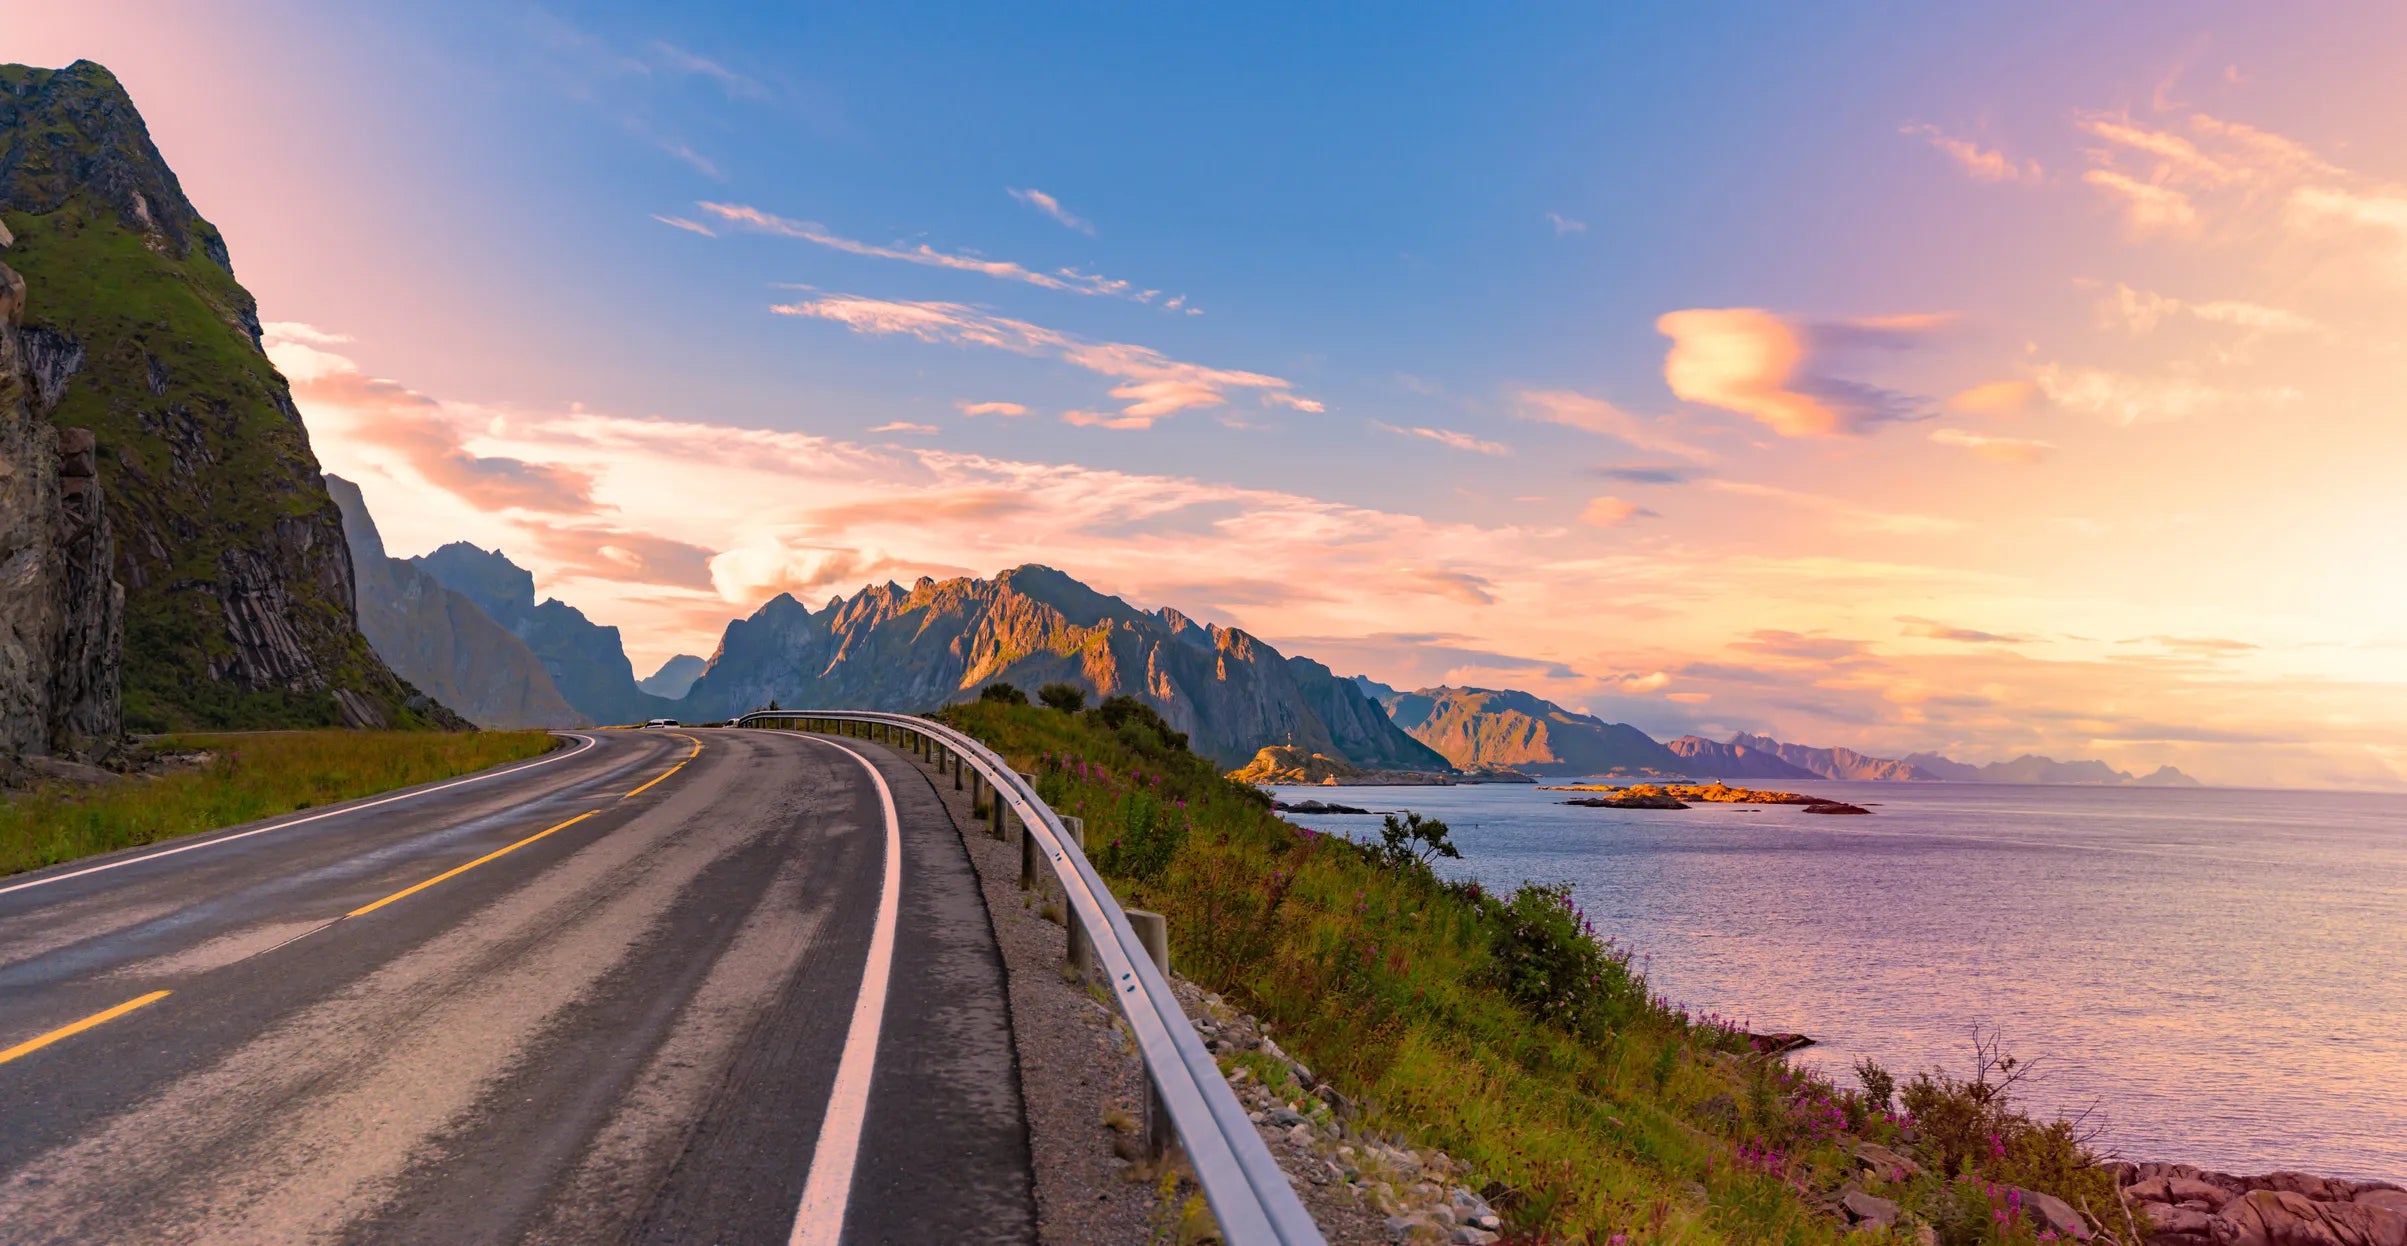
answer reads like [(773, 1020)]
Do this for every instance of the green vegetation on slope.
[(238, 593), (1505, 1031), (242, 779)]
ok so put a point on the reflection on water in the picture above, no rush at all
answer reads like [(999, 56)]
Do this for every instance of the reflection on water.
[(2222, 973)]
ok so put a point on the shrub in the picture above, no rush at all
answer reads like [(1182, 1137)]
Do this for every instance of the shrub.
[(1002, 693), (1414, 842), (1066, 697), (1138, 725), (1548, 958), (1879, 1085)]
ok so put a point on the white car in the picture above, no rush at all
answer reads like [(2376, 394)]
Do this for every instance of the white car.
[(660, 722)]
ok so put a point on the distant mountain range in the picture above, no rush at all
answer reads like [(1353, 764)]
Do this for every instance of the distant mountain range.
[(915, 649)]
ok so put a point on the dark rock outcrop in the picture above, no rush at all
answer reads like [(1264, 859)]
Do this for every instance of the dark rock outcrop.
[(238, 585), (1486, 727), (2181, 1205), (61, 613), (896, 648), (586, 661), (441, 641), (1359, 726)]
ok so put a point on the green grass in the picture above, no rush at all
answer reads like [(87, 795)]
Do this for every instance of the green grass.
[(247, 777), (1497, 1029)]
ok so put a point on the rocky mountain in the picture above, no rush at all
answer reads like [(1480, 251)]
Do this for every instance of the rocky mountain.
[(896, 648), (1836, 763), (62, 616), (1714, 759), (237, 581), (2031, 768), (674, 677), (1476, 727), (440, 640), (586, 661)]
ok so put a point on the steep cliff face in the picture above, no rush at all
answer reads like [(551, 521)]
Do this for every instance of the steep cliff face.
[(1837, 763), (1360, 726), (238, 584), (1492, 727), (439, 640), (587, 662), (1714, 759), (889, 647), (61, 613)]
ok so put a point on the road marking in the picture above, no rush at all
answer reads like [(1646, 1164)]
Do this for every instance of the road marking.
[(820, 1219), (31, 1045), (330, 813), (648, 786), (458, 870)]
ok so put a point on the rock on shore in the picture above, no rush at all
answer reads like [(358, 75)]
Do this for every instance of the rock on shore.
[(2181, 1205)]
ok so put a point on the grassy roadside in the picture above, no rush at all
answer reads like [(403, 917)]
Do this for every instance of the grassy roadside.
[(1507, 1032), (242, 778)]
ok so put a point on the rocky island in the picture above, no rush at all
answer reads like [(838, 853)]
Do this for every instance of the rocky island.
[(1678, 796)]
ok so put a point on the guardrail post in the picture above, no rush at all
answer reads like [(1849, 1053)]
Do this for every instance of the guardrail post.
[(995, 803), (1082, 953), (1153, 930)]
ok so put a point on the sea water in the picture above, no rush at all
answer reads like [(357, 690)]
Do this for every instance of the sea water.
[(2216, 976)]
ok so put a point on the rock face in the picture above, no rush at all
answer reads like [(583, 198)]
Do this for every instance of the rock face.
[(238, 584), (586, 661), (1733, 760), (1359, 726), (439, 640), (917, 648), (675, 676), (2179, 1205), (1835, 763), (62, 616), (2031, 768), (1483, 727)]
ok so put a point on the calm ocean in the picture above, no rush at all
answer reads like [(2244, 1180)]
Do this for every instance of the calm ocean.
[(2221, 973)]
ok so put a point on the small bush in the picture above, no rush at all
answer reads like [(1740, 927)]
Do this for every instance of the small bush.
[(1548, 958), (1002, 694), (1068, 698), (1414, 841), (1139, 726), (1879, 1086)]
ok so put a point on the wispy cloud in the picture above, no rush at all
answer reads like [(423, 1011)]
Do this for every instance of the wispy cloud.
[(2141, 311), (1650, 473), (2126, 398), (1068, 280), (904, 426), (1993, 398), (1565, 225), (1151, 385), (1105, 419), (1447, 437), (1763, 366), (2147, 207), (1987, 164), (990, 408), (1573, 409), (691, 227), (1051, 206), (1848, 513), (679, 60), (1932, 629), (1607, 512), (1995, 449)]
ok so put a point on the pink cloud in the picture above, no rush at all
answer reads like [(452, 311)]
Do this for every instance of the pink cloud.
[(1050, 206), (990, 408), (1607, 512), (691, 227), (1068, 280), (1595, 415), (2147, 207), (1986, 164), (1750, 361), (903, 426), (1151, 384), (1448, 438), (1099, 419), (1994, 398), (1995, 449)]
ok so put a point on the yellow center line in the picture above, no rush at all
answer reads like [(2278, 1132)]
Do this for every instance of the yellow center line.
[(455, 871), (697, 749), (648, 786), (32, 1045)]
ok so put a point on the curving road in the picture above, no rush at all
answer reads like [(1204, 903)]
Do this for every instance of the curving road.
[(653, 987)]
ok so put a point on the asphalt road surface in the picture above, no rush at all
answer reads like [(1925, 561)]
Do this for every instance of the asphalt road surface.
[(653, 987)]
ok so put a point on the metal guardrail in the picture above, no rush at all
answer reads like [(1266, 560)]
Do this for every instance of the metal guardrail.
[(1249, 1193)]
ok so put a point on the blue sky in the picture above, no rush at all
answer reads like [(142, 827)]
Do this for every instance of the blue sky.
[(1894, 376)]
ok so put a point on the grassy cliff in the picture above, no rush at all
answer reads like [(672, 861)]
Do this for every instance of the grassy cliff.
[(1506, 1031), (238, 584)]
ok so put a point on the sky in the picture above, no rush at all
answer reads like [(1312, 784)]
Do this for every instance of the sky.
[(1985, 380)]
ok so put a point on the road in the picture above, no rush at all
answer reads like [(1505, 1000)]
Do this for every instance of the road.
[(635, 990)]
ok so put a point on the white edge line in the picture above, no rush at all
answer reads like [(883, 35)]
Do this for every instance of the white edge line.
[(819, 1221), (330, 813)]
